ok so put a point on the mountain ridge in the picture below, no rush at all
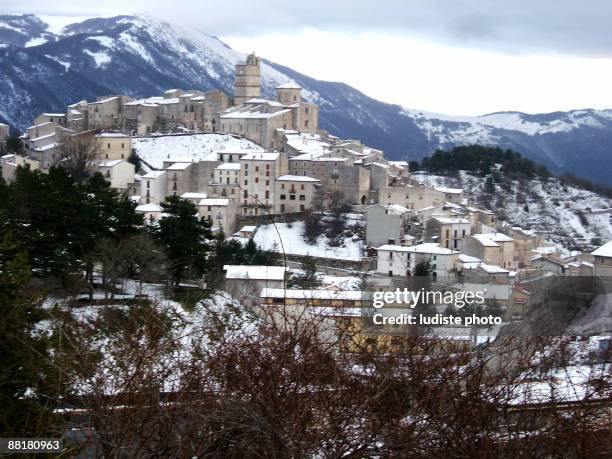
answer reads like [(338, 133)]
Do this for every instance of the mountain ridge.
[(46, 67)]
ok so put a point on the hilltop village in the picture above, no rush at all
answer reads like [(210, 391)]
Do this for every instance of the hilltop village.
[(261, 169)]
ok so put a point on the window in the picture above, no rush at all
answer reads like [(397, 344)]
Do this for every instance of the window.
[(282, 186), (291, 197), (245, 194), (267, 173), (283, 197), (256, 179), (256, 168), (267, 182), (390, 255), (302, 186), (246, 166), (267, 167), (108, 145), (246, 182), (463, 233), (282, 207), (305, 123), (267, 195), (302, 208), (302, 197), (122, 145), (209, 208)]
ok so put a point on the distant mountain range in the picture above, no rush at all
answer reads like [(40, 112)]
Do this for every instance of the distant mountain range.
[(49, 62)]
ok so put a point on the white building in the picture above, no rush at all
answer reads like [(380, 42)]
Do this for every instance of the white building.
[(397, 260), (153, 187), (117, 172), (150, 212)]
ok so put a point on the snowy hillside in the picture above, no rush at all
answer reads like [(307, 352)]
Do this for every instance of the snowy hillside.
[(572, 217), (289, 238), (48, 62)]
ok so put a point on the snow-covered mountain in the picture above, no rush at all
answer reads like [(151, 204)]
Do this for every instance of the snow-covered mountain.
[(48, 62)]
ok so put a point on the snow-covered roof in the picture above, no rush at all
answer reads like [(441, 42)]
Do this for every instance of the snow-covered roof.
[(229, 166), (248, 229), (492, 239), (396, 209), (255, 272), (110, 163), (253, 111), (111, 134), (178, 166), (428, 247), (46, 147), (604, 251), (148, 208), (108, 99), (492, 269), (194, 195), (444, 189), (54, 114), (296, 178), (153, 174), (349, 295), (331, 159), (468, 259), (261, 156), (289, 85), (451, 221), (213, 202), (155, 150)]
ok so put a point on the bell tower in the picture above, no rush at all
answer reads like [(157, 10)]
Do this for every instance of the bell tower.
[(247, 81)]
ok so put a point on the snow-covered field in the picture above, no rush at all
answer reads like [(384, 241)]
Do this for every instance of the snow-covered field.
[(290, 239), (187, 148), (562, 214)]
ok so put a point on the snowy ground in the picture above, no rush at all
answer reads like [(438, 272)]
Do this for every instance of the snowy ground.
[(186, 148), (546, 207), (290, 239)]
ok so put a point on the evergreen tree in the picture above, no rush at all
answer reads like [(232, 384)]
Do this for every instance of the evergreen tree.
[(308, 279), (25, 374), (185, 238)]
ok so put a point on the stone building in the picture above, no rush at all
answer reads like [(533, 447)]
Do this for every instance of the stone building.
[(220, 212), (114, 145), (337, 174), (106, 113), (247, 80), (258, 172), (449, 232), (602, 265), (294, 193), (492, 248), (260, 119), (181, 178), (386, 224), (412, 197)]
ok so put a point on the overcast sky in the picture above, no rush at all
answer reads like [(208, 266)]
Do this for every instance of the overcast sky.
[(450, 56)]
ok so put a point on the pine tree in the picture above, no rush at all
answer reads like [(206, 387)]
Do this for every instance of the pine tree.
[(25, 374), (308, 279), (185, 238)]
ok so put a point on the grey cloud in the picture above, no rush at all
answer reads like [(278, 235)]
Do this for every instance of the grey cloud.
[(564, 26)]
